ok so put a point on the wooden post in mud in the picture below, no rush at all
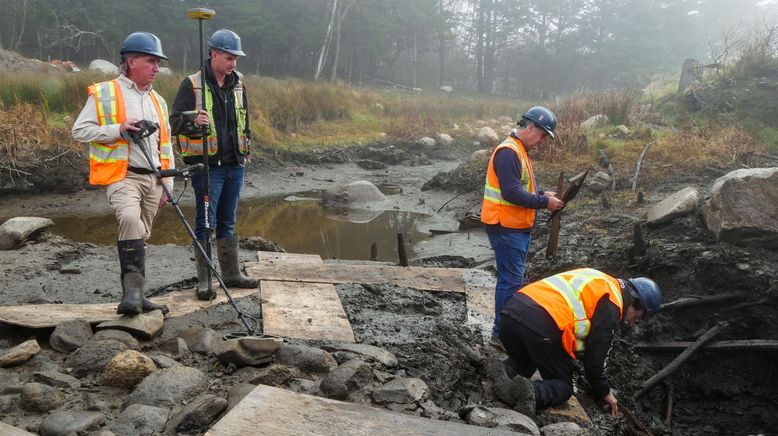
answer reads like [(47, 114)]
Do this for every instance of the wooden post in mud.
[(638, 239), (374, 252), (401, 250), (556, 222)]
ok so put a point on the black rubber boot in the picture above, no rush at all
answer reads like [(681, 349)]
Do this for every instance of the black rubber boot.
[(204, 289), (131, 259), (228, 262), (149, 306), (523, 390)]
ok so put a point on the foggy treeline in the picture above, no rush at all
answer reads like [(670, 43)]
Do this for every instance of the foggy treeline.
[(527, 48)]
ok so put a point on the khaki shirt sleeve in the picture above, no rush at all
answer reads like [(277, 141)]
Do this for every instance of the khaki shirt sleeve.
[(86, 128)]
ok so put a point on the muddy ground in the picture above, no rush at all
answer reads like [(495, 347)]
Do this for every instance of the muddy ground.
[(715, 393)]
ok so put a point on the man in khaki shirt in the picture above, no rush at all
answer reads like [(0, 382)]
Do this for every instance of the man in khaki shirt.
[(116, 161)]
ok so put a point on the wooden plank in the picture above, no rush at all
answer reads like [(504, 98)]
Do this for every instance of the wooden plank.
[(49, 315), (9, 430), (304, 311), (431, 279), (479, 288), (272, 411), (268, 258)]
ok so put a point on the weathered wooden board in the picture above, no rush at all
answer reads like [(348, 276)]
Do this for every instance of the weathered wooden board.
[(273, 411), (9, 430), (570, 410), (304, 311), (431, 279), (49, 315), (268, 258)]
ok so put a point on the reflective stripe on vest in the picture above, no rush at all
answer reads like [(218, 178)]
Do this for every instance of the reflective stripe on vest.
[(194, 147), (495, 209), (108, 162), (575, 323)]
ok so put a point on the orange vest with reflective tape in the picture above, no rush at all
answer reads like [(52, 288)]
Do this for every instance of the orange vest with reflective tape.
[(570, 298), (495, 209), (108, 162)]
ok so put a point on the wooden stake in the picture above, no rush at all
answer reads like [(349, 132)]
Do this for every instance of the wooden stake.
[(680, 360), (556, 222), (373, 251), (401, 250), (637, 169)]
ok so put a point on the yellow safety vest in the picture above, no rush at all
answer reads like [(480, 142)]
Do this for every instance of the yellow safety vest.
[(571, 298), (194, 146), (108, 162)]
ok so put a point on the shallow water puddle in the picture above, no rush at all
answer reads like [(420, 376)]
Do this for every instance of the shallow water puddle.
[(299, 226)]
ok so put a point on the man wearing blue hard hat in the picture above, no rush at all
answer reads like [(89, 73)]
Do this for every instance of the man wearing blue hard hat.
[(548, 324), (510, 204), (225, 113)]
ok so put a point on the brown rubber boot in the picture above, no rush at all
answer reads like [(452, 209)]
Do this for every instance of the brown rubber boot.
[(230, 267)]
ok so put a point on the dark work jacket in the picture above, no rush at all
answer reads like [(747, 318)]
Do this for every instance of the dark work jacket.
[(605, 321), (223, 116)]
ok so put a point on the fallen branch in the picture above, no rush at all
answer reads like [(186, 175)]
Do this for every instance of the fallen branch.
[(680, 360), (637, 169), (669, 411), (694, 301), (737, 345), (15, 169), (637, 425)]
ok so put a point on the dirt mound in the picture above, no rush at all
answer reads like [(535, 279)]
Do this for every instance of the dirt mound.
[(12, 61)]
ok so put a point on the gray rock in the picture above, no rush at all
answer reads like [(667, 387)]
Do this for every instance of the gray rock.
[(93, 357), (127, 369), (163, 361), (145, 326), (678, 204), (599, 182), (94, 402), (502, 418), (426, 142), (307, 359), (271, 375), (302, 386), (20, 353), (446, 88), (248, 351), (197, 415), (56, 379), (402, 391), (743, 208), (371, 164), (445, 140), (165, 71), (104, 67), (8, 403), (15, 232), (237, 392), (167, 387), (140, 419), (595, 121), (200, 340), (349, 377), (65, 422), (487, 136), (117, 335), (358, 192), (11, 383), (70, 335), (175, 347), (563, 429), (371, 352), (37, 397)]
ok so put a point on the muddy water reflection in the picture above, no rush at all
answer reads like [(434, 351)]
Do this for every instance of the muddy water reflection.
[(299, 226)]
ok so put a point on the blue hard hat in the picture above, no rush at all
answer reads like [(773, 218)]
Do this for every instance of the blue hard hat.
[(543, 118), (649, 293), (226, 40), (142, 42)]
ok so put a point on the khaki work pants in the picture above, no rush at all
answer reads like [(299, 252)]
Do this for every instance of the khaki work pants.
[(135, 201)]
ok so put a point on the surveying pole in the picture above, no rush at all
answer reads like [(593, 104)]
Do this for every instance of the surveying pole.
[(201, 14)]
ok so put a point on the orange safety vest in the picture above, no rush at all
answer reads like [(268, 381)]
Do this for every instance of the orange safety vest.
[(495, 209), (570, 298), (108, 162)]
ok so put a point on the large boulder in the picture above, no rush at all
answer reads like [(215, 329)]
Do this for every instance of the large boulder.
[(595, 121), (678, 204), (353, 193), (15, 232), (168, 387), (103, 66), (487, 136), (743, 208)]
